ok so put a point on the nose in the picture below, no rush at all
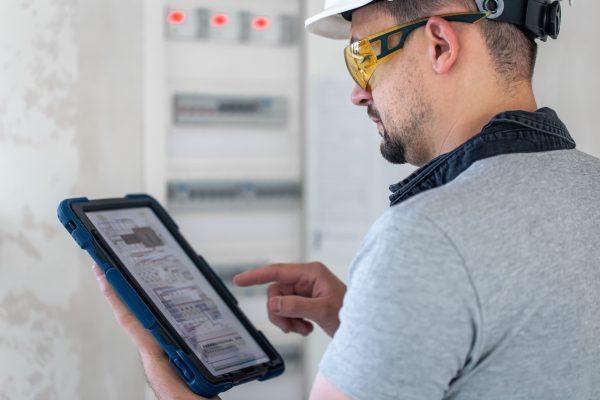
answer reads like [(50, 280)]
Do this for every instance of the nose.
[(360, 96)]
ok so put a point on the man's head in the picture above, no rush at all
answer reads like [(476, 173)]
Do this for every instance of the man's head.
[(449, 78)]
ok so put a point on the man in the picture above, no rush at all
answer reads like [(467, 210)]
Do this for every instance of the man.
[(482, 281)]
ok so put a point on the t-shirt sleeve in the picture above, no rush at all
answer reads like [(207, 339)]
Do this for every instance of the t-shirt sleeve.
[(409, 316)]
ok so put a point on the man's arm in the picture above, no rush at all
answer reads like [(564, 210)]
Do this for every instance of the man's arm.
[(161, 376)]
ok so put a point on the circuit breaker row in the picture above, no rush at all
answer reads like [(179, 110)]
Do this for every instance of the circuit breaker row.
[(238, 26)]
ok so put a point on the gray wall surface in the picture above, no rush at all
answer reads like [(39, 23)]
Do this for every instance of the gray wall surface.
[(70, 124)]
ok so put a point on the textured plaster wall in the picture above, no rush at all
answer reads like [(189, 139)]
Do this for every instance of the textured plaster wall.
[(70, 124)]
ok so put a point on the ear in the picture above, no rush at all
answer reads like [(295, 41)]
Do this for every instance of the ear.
[(443, 45)]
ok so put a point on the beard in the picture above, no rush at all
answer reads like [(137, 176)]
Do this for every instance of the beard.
[(392, 148), (406, 141)]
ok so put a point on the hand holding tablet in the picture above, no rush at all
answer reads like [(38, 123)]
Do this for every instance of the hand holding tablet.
[(171, 292), (161, 375)]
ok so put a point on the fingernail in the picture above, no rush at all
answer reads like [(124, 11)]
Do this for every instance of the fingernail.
[(97, 270), (275, 305)]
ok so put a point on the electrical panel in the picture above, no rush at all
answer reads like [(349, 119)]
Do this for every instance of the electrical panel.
[(231, 93)]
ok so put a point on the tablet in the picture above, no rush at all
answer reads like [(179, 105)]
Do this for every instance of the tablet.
[(172, 291)]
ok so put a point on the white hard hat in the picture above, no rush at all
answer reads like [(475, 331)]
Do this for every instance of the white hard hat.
[(329, 23)]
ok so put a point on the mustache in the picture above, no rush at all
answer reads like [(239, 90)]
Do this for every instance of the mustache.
[(373, 113)]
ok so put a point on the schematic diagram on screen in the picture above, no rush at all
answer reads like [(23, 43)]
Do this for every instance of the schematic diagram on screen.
[(169, 276)]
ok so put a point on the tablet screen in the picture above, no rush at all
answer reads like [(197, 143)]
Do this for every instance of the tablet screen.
[(178, 288)]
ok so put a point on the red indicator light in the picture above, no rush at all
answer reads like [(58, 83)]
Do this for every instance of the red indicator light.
[(219, 20), (176, 17), (260, 23)]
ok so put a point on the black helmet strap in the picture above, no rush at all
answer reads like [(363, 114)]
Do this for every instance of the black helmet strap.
[(537, 18)]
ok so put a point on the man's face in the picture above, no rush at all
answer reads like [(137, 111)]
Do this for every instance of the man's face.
[(395, 99)]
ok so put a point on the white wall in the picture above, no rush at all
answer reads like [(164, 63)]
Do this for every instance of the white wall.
[(70, 124), (567, 78)]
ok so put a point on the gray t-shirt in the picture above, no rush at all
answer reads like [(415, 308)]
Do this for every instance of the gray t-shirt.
[(485, 288)]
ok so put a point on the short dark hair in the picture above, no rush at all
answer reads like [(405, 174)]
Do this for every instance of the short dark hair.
[(512, 51)]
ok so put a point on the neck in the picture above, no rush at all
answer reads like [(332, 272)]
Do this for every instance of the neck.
[(464, 119)]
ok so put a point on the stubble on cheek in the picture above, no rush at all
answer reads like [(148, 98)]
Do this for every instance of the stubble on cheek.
[(407, 125), (417, 129)]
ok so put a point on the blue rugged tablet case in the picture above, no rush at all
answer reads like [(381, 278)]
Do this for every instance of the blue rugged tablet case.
[(186, 369)]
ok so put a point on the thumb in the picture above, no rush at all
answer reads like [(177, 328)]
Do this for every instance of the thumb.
[(294, 307)]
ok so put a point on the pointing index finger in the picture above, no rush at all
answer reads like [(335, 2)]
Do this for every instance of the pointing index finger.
[(282, 273)]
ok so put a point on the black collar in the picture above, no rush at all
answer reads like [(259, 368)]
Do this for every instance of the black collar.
[(508, 132)]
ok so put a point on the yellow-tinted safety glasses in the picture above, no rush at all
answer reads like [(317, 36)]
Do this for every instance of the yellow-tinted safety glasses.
[(363, 56)]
